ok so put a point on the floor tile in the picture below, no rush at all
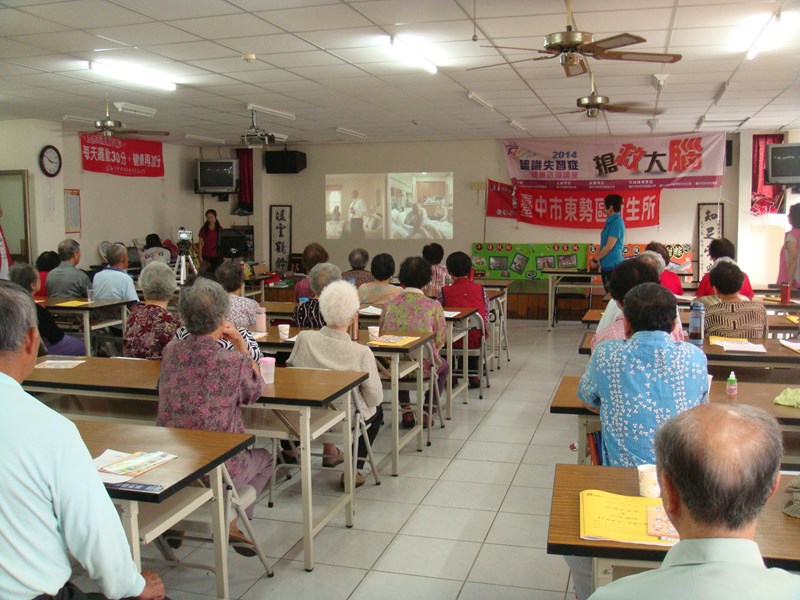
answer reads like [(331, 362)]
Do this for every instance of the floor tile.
[(492, 451), (527, 500), (480, 471), (441, 448), (483, 591), (450, 523), (551, 455), (554, 437), (344, 547), (399, 489), (510, 435), (459, 494), (393, 586), (520, 567), (535, 476), (377, 515), (514, 529), (429, 557), (416, 465), (292, 582)]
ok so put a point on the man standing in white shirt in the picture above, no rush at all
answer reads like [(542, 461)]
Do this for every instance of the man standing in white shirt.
[(53, 502), (357, 213)]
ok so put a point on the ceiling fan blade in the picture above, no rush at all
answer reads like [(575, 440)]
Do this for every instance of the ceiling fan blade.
[(633, 109), (609, 43), (638, 56), (523, 49), (558, 114), (511, 62), (575, 69)]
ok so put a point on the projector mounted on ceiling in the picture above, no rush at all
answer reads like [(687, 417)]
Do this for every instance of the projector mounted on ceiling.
[(256, 136)]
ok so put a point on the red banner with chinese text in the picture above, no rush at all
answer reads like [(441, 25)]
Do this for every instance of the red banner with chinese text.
[(121, 156), (689, 160), (500, 200), (585, 209)]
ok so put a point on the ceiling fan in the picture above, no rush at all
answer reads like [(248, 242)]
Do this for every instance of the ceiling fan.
[(572, 47), (109, 127)]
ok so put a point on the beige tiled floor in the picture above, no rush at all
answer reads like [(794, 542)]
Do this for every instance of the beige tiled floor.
[(466, 519)]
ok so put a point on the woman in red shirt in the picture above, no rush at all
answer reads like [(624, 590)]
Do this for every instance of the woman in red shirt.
[(209, 240), (669, 279)]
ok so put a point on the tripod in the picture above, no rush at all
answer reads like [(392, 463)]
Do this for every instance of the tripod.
[(181, 263)]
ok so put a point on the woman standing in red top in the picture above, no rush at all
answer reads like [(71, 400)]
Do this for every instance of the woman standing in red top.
[(209, 240)]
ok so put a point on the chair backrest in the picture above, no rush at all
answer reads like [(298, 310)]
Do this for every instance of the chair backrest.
[(155, 254)]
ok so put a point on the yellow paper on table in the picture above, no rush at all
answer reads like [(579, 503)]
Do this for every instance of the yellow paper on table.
[(392, 340), (793, 318), (717, 340), (606, 516), (73, 303)]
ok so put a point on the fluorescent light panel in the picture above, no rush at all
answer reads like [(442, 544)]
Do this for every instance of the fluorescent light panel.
[(78, 119), (204, 138), (133, 74), (517, 126), (135, 109), (410, 53), (479, 100), (272, 111), (346, 131)]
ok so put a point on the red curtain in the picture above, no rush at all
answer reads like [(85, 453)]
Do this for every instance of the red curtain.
[(763, 196), (245, 156)]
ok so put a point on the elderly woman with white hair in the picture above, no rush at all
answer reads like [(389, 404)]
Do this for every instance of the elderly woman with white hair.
[(203, 386), (307, 313), (332, 348), (151, 326)]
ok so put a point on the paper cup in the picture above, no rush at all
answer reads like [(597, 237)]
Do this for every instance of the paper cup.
[(374, 332), (267, 365), (283, 332), (648, 481)]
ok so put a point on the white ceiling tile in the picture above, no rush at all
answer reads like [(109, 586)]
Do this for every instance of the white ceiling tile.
[(328, 73), (66, 41), (314, 58), (233, 64), (16, 22), (267, 44), (278, 4), (266, 76), (145, 33), (387, 12), (76, 12), (358, 37), (192, 50), (227, 26), (8, 68), (177, 9), (331, 16), (53, 62)]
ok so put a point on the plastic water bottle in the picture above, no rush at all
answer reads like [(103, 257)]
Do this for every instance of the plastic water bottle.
[(261, 319), (697, 315), (731, 387), (786, 293), (303, 299)]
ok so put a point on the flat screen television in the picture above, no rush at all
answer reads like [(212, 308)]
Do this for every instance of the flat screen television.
[(217, 176), (783, 164)]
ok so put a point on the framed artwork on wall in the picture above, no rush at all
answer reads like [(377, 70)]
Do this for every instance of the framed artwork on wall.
[(280, 237), (709, 227)]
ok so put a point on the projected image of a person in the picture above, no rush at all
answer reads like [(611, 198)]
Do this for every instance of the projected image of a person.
[(357, 213), (417, 219)]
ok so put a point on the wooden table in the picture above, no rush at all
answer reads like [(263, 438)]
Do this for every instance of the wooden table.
[(565, 401), (413, 350), (566, 278), (279, 310), (792, 308), (85, 310), (777, 533), (146, 515), (118, 381)]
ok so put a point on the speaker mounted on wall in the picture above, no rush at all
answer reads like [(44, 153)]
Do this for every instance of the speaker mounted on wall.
[(284, 161)]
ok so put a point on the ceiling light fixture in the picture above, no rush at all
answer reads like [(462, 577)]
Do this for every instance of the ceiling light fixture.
[(721, 92), (78, 119), (272, 111), (481, 101), (346, 131), (135, 109), (411, 53), (133, 74), (517, 126), (204, 138), (700, 122)]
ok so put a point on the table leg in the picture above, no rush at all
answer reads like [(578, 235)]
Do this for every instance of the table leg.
[(464, 366), (220, 532), (550, 302), (124, 317), (347, 449), (87, 332), (395, 415), (305, 478), (449, 353), (421, 393), (130, 523)]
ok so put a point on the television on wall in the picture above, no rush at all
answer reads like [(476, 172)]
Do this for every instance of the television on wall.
[(217, 176), (783, 164)]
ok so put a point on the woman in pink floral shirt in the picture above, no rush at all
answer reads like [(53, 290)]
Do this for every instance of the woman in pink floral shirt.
[(411, 312), (151, 326), (203, 386)]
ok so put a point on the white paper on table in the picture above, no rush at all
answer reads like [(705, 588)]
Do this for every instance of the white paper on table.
[(742, 347), (60, 364), (371, 310), (683, 298), (257, 335), (450, 313), (105, 459), (791, 345)]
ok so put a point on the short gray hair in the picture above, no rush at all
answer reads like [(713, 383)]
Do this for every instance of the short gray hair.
[(203, 306), (321, 275), (723, 460), (358, 259), (655, 259), (67, 249), (17, 315), (116, 254), (24, 275), (157, 281), (338, 303), (230, 276)]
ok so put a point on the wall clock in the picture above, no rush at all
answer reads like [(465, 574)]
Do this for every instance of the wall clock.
[(50, 161)]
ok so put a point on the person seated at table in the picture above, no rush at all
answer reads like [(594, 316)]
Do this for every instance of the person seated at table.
[(113, 282), (243, 310), (721, 250), (379, 290), (358, 260), (203, 386), (411, 311), (717, 467), (625, 276), (181, 333), (729, 314), (66, 280), (46, 262), (154, 250), (313, 254), (669, 279), (307, 314), (53, 337), (150, 325), (332, 348), (434, 254), (55, 508)]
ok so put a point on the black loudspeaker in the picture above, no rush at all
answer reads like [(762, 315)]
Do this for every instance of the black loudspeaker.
[(284, 161), (728, 153)]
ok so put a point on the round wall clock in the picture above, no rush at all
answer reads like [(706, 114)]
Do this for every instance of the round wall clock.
[(50, 161)]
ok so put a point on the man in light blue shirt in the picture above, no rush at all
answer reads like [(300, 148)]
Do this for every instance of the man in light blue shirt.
[(113, 282), (640, 383), (53, 502), (713, 497)]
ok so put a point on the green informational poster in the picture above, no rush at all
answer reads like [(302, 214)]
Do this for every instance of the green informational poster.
[(525, 261)]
